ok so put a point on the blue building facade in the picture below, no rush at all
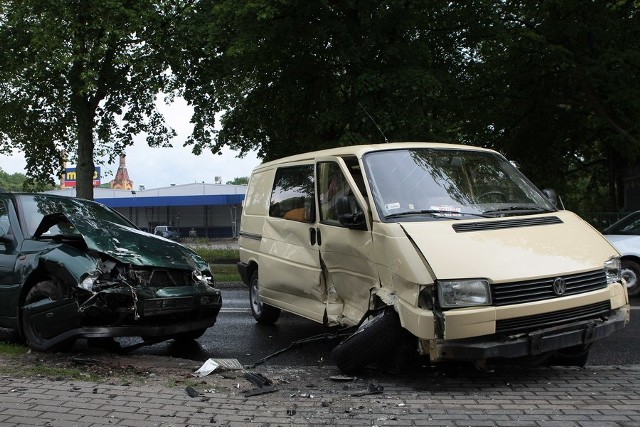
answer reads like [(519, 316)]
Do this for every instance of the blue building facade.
[(199, 209)]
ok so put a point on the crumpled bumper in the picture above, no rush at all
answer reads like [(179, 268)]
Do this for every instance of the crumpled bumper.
[(58, 321), (531, 344)]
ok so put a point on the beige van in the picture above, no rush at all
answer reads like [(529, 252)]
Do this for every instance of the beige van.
[(446, 249)]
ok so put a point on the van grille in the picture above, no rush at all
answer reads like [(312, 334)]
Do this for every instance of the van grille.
[(542, 289), (462, 227), (562, 317)]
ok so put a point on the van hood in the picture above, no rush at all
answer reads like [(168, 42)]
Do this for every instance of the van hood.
[(125, 244), (510, 249)]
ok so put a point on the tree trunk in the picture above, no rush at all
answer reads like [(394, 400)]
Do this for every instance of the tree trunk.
[(85, 167)]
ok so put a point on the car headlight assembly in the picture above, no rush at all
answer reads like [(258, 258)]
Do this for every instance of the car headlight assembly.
[(463, 293), (88, 282), (613, 269)]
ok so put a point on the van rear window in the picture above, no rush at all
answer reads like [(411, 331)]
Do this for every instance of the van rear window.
[(293, 195)]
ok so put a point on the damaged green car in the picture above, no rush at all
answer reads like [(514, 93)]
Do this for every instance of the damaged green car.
[(72, 268)]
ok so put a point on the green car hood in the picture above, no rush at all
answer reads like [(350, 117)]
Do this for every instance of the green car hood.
[(126, 244)]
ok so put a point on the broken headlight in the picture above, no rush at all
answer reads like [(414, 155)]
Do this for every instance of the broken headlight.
[(200, 276), (463, 293), (88, 282), (612, 269)]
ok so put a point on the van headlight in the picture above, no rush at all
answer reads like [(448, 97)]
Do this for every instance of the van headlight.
[(612, 269), (463, 293)]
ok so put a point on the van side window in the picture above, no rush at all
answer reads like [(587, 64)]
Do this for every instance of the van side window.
[(336, 197), (293, 195)]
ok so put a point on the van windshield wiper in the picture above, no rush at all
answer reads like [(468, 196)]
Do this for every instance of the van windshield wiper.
[(515, 210), (436, 213)]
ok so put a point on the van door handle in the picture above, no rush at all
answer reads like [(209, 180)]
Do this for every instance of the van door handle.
[(319, 236), (312, 236)]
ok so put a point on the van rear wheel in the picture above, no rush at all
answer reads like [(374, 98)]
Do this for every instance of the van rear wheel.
[(263, 313)]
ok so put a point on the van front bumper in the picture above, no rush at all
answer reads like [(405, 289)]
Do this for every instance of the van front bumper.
[(531, 344)]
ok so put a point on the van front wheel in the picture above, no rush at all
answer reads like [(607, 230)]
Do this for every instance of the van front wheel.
[(263, 313)]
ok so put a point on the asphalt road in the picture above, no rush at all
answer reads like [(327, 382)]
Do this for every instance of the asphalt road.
[(236, 335)]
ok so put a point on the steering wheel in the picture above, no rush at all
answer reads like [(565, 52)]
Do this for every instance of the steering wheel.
[(502, 196)]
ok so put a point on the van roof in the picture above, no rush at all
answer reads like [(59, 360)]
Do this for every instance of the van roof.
[(360, 150)]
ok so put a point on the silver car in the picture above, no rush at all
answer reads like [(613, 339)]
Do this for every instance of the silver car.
[(624, 235)]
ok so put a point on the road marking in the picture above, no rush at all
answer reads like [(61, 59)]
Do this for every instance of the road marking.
[(235, 310)]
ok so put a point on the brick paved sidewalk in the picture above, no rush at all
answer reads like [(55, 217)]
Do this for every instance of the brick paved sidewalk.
[(595, 396)]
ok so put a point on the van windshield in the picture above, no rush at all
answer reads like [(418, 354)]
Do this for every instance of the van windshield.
[(442, 183)]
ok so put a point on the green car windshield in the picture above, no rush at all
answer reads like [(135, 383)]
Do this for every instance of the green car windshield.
[(36, 206), (450, 183)]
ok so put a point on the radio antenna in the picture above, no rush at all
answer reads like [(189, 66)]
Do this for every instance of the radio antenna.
[(374, 122)]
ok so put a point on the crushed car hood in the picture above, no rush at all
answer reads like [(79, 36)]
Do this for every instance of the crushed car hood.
[(126, 244), (503, 254)]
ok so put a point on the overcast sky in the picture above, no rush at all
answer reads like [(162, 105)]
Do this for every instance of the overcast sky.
[(161, 167)]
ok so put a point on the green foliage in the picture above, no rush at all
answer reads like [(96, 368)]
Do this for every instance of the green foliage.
[(225, 272), (296, 75), (13, 182), (244, 180), (552, 84), (223, 261), (12, 350), (19, 182), (79, 79), (217, 255)]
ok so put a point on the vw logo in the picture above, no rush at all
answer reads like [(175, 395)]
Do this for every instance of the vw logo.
[(559, 286)]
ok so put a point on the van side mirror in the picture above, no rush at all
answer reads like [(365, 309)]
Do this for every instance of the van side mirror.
[(551, 195), (348, 218), (353, 221)]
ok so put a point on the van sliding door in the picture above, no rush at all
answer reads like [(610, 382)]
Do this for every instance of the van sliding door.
[(290, 273)]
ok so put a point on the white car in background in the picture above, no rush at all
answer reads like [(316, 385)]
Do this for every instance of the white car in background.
[(624, 235)]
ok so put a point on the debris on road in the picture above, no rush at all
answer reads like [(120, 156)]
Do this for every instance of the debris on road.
[(192, 392), (212, 364), (371, 389), (257, 379), (264, 385)]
